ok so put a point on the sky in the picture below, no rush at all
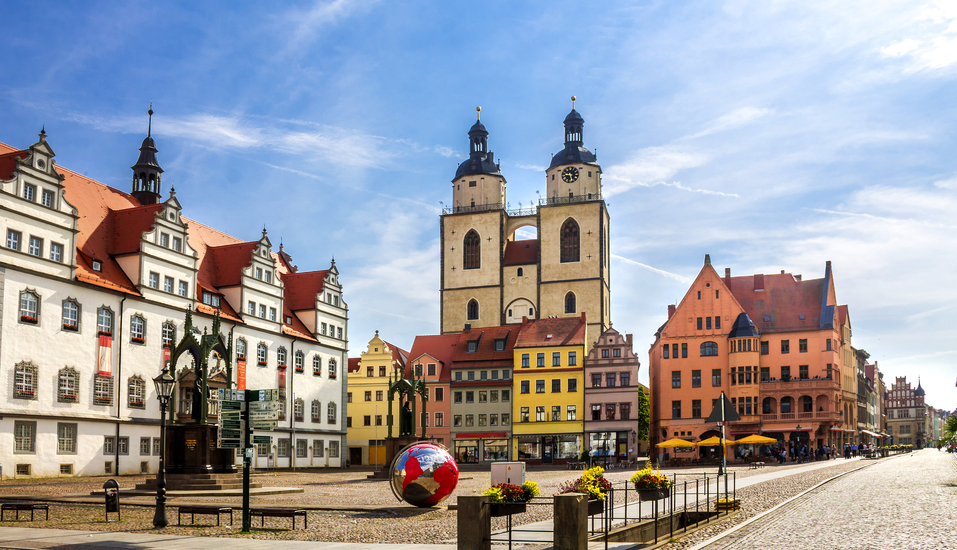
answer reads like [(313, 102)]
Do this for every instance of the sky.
[(771, 135)]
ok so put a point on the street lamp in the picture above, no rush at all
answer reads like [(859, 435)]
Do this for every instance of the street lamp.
[(164, 391)]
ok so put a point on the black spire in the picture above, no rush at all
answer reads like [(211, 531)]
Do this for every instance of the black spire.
[(574, 152), (481, 160), (146, 171)]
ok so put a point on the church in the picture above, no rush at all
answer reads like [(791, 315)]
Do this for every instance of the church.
[(489, 277), (96, 284)]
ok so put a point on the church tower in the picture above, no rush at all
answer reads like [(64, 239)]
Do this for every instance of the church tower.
[(490, 278), (147, 171)]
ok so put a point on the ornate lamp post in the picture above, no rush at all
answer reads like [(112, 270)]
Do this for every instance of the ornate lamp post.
[(164, 391)]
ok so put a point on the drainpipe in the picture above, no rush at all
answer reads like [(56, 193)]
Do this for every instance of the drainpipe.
[(292, 417), (119, 377)]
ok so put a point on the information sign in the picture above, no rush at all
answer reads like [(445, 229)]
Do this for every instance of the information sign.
[(262, 440)]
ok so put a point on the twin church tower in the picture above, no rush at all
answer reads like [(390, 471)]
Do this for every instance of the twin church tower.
[(490, 278)]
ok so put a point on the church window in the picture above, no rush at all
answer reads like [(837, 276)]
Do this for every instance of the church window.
[(472, 251), (473, 310), (570, 241), (570, 302), (521, 272)]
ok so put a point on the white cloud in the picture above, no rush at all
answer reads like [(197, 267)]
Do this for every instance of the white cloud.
[(649, 166), (734, 119), (935, 43), (946, 184), (534, 167), (446, 152), (675, 276), (321, 14)]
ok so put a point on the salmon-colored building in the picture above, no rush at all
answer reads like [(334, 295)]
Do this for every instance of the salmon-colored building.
[(431, 359), (772, 343)]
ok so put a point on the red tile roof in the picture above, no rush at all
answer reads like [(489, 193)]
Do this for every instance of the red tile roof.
[(441, 347), (485, 351), (560, 331), (521, 252), (301, 288), (129, 226), (783, 300), (8, 162), (398, 354), (354, 364), (842, 315)]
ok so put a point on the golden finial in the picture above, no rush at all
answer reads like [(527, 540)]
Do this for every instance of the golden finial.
[(573, 101), (479, 111)]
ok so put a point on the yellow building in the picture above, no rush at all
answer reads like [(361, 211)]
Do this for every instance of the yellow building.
[(548, 389), (367, 401), (491, 277)]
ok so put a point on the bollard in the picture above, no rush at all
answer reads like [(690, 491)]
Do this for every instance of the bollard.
[(474, 519), (570, 518)]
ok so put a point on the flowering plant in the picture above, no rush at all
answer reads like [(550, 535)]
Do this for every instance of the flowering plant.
[(591, 483), (28, 319), (650, 479), (506, 492)]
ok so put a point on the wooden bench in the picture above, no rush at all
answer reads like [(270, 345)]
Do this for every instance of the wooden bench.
[(755, 465), (293, 513), (18, 506), (203, 510)]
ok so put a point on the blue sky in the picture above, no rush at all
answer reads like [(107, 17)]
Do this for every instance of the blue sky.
[(772, 135)]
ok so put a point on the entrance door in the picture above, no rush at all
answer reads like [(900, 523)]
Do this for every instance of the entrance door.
[(355, 456), (548, 450)]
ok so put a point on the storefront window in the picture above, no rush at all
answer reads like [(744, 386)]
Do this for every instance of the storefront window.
[(567, 447), (496, 449), (466, 451), (529, 448)]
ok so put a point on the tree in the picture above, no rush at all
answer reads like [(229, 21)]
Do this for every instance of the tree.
[(950, 430), (644, 415)]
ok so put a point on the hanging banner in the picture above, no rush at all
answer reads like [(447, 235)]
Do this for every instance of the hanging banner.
[(104, 356), (282, 378), (241, 374), (166, 357)]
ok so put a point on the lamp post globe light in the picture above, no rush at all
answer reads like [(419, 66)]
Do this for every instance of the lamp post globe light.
[(164, 391)]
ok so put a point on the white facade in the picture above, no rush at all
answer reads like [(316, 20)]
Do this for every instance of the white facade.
[(57, 417)]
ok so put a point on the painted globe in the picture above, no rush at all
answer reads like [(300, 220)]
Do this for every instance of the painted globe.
[(424, 475)]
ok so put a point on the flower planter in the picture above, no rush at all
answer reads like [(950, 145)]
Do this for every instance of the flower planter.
[(645, 495), (596, 507), (501, 509)]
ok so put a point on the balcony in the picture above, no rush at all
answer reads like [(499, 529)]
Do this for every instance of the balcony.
[(476, 208), (793, 384)]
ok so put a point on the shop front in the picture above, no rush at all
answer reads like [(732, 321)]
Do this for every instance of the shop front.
[(548, 449), (478, 448), (608, 447)]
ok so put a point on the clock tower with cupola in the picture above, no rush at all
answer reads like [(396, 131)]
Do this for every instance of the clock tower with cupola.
[(490, 277)]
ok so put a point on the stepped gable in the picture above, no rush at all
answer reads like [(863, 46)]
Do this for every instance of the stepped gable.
[(485, 354), (441, 347), (523, 252), (559, 331), (783, 299)]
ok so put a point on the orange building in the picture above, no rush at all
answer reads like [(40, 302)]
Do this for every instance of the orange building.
[(772, 343)]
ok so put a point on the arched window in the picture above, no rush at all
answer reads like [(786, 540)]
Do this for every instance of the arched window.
[(300, 361), (282, 407), (25, 380), (316, 410), (807, 404), (241, 349), (521, 272), (331, 414), (316, 365), (136, 393), (786, 405), (169, 337), (71, 315), (766, 406), (29, 307), (298, 409), (138, 329), (472, 310), (281, 357), (570, 241), (709, 349), (472, 250), (332, 368), (102, 390), (261, 354), (68, 385), (570, 302), (104, 321)]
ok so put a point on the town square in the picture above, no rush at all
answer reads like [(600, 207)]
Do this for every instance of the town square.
[(357, 274)]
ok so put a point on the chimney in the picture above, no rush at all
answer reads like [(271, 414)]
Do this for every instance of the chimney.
[(628, 339), (671, 311), (524, 319), (797, 277), (583, 317), (759, 281), (727, 275), (782, 272), (468, 327)]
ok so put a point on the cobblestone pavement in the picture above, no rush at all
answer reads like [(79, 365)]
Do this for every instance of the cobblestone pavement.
[(908, 502)]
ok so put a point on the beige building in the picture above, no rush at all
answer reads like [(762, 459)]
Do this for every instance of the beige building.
[(490, 277), (906, 413)]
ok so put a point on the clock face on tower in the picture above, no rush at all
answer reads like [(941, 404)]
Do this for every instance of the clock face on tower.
[(569, 174)]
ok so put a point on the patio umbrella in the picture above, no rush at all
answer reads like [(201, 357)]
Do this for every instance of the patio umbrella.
[(675, 442), (714, 441), (756, 440)]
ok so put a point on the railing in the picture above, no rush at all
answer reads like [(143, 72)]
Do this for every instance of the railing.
[(571, 200), (787, 416), (805, 415), (519, 212), (769, 416), (476, 208)]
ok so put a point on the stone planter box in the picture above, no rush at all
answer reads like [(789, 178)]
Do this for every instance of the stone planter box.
[(501, 509), (645, 495), (595, 507)]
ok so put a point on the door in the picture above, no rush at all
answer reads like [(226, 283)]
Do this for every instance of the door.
[(548, 450), (355, 456)]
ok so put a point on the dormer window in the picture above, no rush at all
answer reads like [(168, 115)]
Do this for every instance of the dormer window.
[(30, 192), (211, 299), (164, 240), (472, 347), (46, 199), (177, 244), (259, 273), (500, 345), (288, 319), (97, 265), (268, 275)]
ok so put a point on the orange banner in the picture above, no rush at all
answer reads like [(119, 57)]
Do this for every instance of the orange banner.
[(241, 374), (104, 356)]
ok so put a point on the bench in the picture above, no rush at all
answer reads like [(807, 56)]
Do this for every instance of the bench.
[(293, 513), (756, 465), (18, 506), (203, 510)]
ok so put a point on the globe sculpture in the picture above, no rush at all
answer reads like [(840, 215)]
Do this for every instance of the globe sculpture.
[(424, 474)]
